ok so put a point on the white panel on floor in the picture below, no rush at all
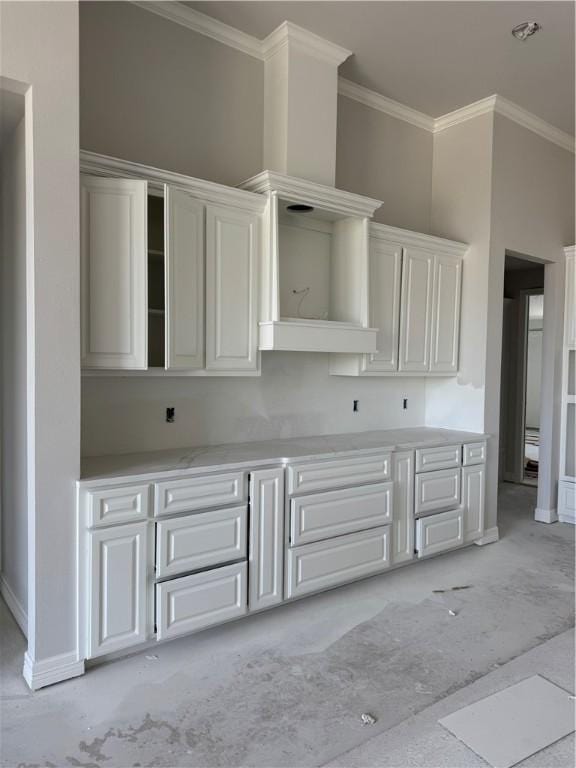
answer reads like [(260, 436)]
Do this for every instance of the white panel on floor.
[(515, 723)]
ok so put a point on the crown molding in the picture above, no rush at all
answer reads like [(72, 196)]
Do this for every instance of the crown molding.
[(204, 25), (311, 193), (314, 45), (318, 46), (383, 104), (417, 239)]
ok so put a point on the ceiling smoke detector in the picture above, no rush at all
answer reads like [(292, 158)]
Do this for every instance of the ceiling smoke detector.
[(526, 29)]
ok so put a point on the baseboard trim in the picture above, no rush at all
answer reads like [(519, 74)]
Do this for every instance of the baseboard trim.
[(490, 536), (567, 517), (39, 674), (15, 606), (545, 515)]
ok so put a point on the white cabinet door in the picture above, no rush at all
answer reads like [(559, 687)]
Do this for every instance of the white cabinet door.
[(570, 308), (403, 507), (184, 280), (416, 310), (114, 269), (117, 575), (385, 269), (439, 533), (437, 490), (266, 552), (446, 315), (473, 501), (231, 290)]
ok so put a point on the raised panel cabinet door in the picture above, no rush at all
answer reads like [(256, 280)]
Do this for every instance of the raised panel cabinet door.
[(231, 290), (570, 309), (446, 314), (437, 490), (385, 270), (416, 310), (473, 501), (114, 272), (439, 533), (402, 548), (184, 280), (266, 550), (117, 575)]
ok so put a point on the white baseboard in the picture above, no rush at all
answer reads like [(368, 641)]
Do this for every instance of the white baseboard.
[(15, 606), (567, 517), (545, 515), (490, 536), (39, 674)]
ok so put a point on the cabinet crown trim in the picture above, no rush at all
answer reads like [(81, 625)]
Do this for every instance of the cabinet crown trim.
[(318, 195), (407, 238), (207, 191)]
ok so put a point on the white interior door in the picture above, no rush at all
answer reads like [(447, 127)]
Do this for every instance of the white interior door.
[(446, 315), (385, 269), (114, 269), (184, 280), (231, 289), (416, 309)]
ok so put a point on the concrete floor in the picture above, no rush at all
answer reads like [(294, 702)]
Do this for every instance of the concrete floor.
[(287, 687)]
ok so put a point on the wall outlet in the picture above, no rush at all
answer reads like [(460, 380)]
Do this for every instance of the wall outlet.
[(170, 415), (355, 405), (405, 403)]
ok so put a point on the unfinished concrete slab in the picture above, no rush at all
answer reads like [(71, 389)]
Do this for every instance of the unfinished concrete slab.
[(288, 687)]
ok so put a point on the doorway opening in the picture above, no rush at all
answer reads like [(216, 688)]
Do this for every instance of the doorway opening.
[(521, 370)]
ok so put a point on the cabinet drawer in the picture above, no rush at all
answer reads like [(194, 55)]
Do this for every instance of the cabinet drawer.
[(193, 602), (566, 501), (439, 532), (199, 492), (437, 490), (324, 475), (445, 457), (196, 541), (125, 504), (474, 453), (324, 564), (324, 515)]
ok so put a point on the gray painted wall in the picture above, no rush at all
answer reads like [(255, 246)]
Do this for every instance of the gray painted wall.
[(14, 516), (166, 96), (389, 159)]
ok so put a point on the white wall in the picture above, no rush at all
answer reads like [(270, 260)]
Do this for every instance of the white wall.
[(295, 396), (39, 50), (14, 477)]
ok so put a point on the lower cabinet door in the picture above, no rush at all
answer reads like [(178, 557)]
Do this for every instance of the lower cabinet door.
[(403, 506), (437, 490), (438, 533), (117, 614), (266, 551), (473, 479), (194, 602), (313, 567)]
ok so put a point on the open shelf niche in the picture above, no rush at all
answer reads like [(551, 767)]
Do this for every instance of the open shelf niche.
[(156, 290), (314, 279)]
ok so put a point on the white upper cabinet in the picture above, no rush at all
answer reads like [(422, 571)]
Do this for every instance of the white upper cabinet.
[(416, 302), (414, 294), (184, 280), (446, 314), (231, 289), (570, 305), (384, 276), (114, 258)]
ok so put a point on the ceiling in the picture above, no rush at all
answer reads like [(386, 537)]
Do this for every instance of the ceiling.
[(436, 56)]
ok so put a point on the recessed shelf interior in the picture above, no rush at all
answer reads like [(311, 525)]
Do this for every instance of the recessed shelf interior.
[(313, 248), (156, 301)]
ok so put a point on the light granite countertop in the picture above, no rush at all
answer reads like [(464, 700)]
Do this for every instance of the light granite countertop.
[(253, 455)]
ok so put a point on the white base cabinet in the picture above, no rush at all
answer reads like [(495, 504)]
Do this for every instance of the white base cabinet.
[(266, 551)]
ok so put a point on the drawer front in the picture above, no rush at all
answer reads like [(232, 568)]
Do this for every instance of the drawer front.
[(567, 499), (196, 541), (117, 505), (474, 453), (193, 493), (445, 457), (439, 532), (325, 564), (201, 600), (436, 491), (324, 475), (324, 515)]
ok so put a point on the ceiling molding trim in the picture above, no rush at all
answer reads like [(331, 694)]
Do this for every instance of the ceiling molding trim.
[(288, 33), (533, 123), (469, 112), (204, 25), (383, 104)]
